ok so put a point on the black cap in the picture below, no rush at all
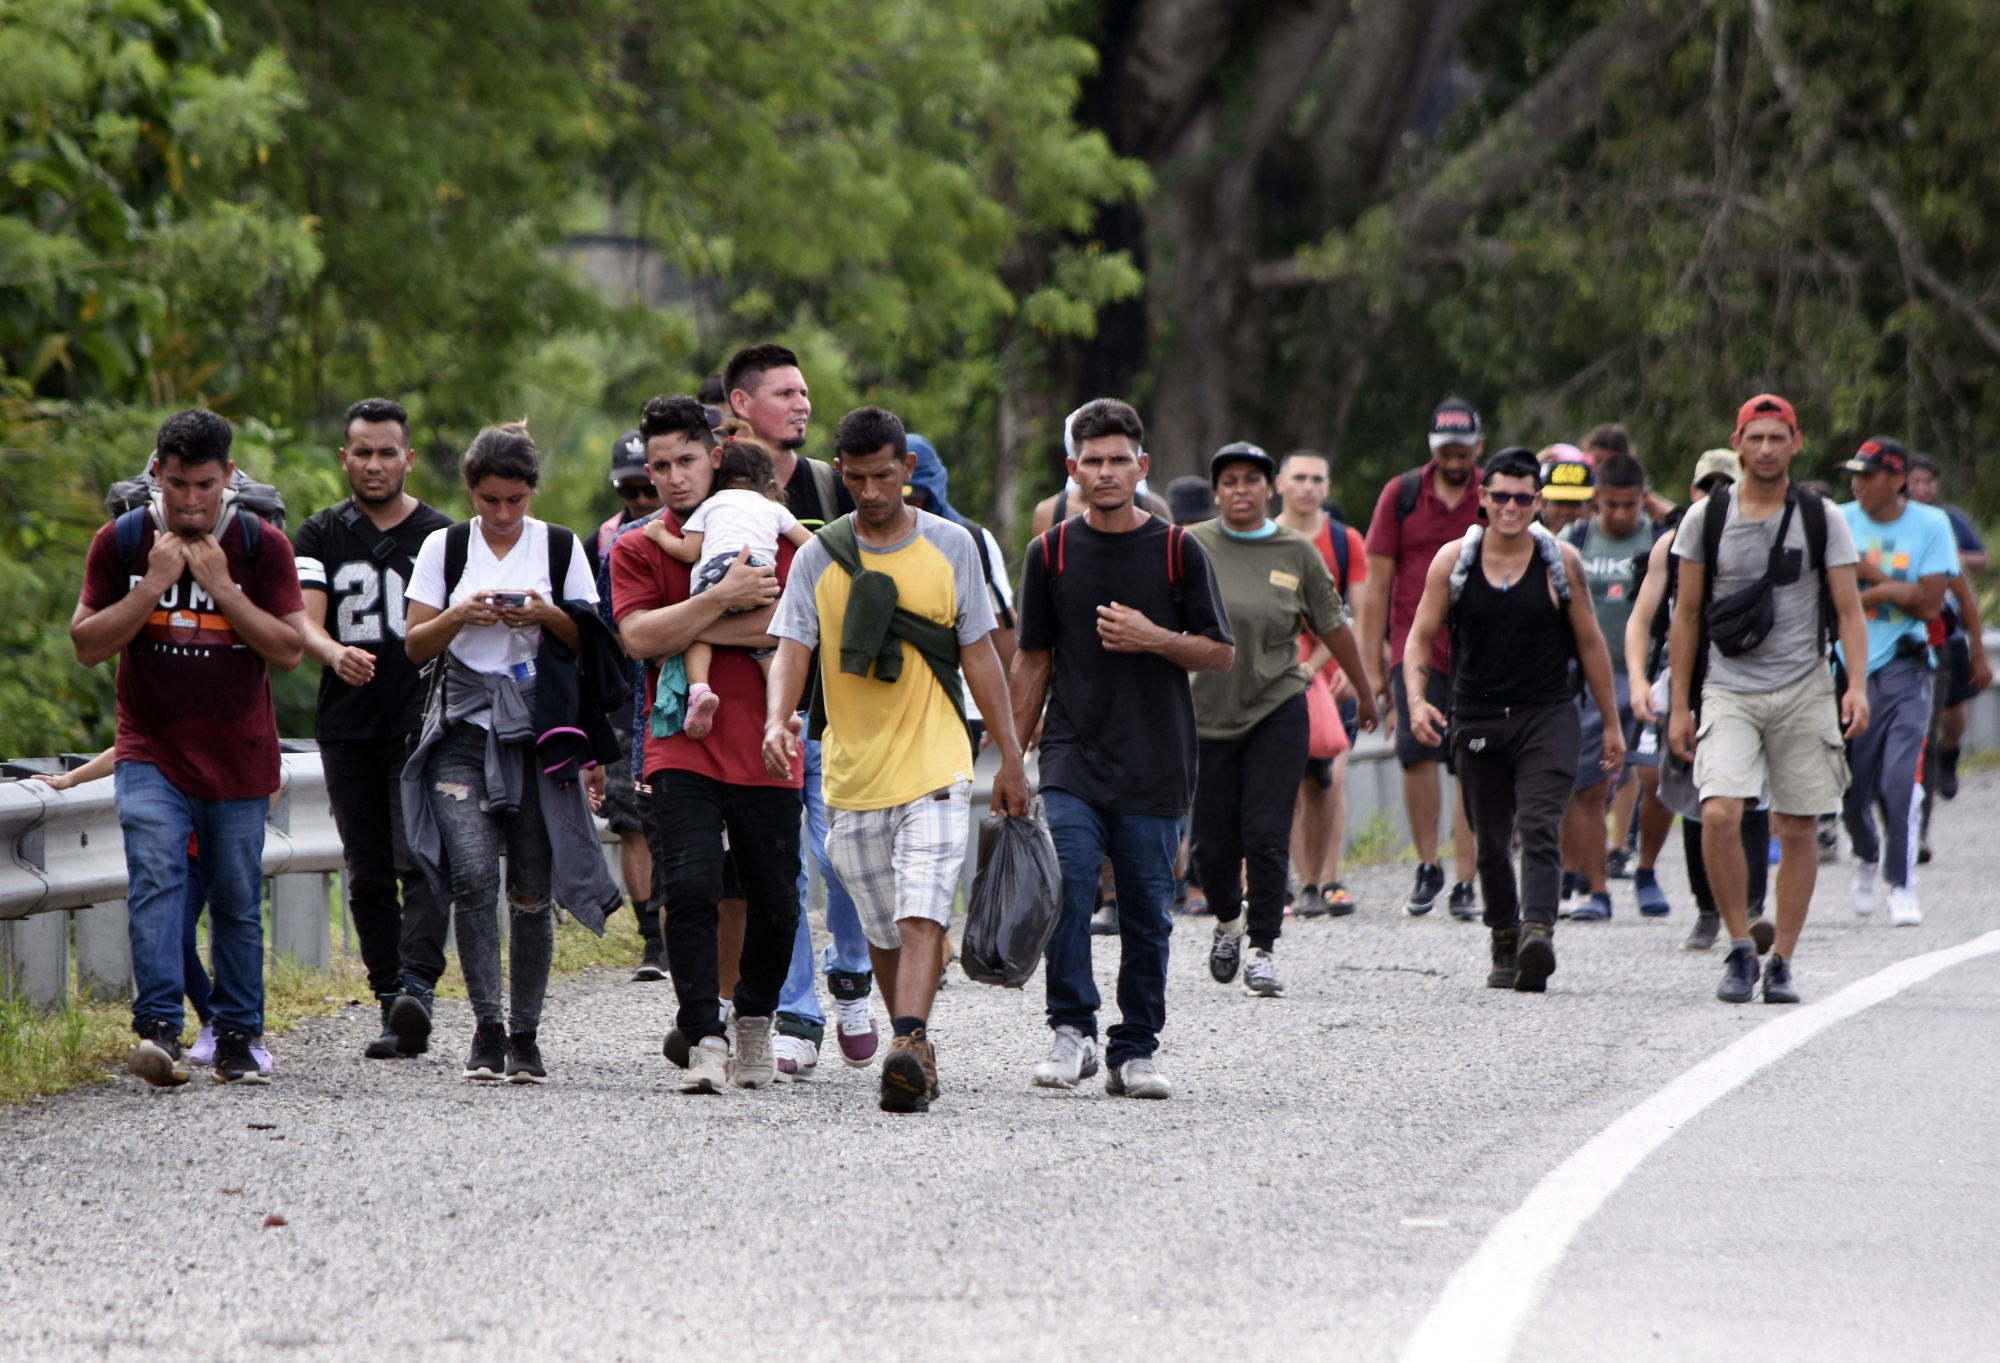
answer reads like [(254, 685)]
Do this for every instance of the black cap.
[(1454, 422), (1879, 453), (1190, 500), (628, 458), (1240, 452)]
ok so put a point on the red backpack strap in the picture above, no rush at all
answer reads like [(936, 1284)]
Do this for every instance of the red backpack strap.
[(1052, 550)]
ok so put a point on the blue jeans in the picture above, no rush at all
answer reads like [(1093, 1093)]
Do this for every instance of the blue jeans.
[(847, 964), (1142, 848), (157, 819), (193, 973)]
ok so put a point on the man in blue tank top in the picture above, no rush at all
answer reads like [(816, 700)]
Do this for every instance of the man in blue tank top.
[(1514, 599)]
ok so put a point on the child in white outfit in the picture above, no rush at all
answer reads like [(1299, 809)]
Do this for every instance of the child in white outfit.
[(745, 510)]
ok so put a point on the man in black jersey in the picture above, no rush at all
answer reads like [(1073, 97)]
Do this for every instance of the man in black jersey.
[(355, 561), (1518, 606)]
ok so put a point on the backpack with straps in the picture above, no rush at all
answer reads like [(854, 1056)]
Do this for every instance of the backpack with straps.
[(1812, 512), (1335, 530), (1548, 548), (1000, 606), (1052, 555)]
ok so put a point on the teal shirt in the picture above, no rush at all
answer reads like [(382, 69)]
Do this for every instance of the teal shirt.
[(1919, 543), (1612, 567)]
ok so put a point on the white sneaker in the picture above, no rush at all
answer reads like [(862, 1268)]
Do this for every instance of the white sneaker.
[(728, 1023), (1260, 975), (797, 1058), (1903, 910), (754, 1066), (1866, 888), (1072, 1058), (1137, 1079), (855, 1029), (708, 1067)]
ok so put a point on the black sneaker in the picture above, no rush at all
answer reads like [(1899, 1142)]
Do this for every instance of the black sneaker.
[(1505, 968), (1534, 959), (1763, 932), (1947, 773), (524, 1060), (1739, 976), (1464, 904), (1225, 954), (410, 1018), (1618, 865), (1707, 927), (1778, 981), (1424, 894), (386, 1046), (488, 1059), (157, 1057), (233, 1062), (653, 965), (675, 1047)]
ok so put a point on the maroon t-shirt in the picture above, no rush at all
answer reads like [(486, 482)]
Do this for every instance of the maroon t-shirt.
[(643, 578), (1413, 543), (194, 700)]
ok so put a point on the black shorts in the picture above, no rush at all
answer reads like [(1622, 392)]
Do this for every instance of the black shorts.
[(1958, 687), (1409, 750)]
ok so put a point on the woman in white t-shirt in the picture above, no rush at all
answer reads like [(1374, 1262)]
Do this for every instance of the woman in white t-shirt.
[(490, 622), (744, 510)]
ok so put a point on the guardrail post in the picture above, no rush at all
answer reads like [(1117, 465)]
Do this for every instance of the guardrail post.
[(34, 958), (301, 918), (104, 952)]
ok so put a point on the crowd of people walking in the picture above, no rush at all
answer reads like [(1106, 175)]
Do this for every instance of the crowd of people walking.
[(765, 658)]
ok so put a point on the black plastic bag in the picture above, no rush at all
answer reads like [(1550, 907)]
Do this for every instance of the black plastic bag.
[(1016, 899)]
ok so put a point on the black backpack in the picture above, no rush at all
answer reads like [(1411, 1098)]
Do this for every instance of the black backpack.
[(130, 502), (1811, 510)]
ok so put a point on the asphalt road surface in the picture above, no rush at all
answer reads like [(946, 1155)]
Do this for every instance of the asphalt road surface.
[(1326, 1182)]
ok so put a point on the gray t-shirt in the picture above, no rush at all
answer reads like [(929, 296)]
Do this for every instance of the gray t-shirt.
[(1792, 649)]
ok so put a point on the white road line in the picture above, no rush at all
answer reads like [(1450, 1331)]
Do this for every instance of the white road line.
[(1479, 1315)]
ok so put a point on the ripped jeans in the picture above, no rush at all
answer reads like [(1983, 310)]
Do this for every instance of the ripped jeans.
[(474, 839)]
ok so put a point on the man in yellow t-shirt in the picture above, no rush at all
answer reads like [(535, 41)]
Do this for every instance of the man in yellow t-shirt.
[(897, 757)]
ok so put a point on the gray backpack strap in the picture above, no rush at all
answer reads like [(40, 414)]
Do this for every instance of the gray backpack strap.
[(1468, 558), (1550, 548)]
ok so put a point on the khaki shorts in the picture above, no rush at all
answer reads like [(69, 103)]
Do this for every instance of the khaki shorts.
[(1793, 731), (901, 862)]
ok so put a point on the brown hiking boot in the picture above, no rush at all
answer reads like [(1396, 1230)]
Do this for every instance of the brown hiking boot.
[(1505, 969), (909, 1075)]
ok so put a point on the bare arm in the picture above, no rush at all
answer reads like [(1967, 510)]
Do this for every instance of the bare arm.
[(355, 666), (1342, 648), (798, 536), (1968, 611), (96, 769), (1639, 626), (1373, 619), (781, 699), (1683, 638), (1922, 599), (1425, 722), (278, 639), (1595, 658), (100, 634), (667, 630), (983, 677), (429, 631), (1853, 644), (681, 548), (1029, 684), (1122, 629)]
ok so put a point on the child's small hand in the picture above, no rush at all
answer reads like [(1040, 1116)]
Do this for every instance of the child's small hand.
[(658, 534)]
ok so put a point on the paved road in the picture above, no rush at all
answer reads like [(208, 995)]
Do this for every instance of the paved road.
[(1328, 1162)]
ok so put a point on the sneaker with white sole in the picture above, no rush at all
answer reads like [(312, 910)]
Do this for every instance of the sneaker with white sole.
[(860, 1038), (1867, 887), (1225, 952), (1424, 893), (708, 1066), (1137, 1078), (1903, 910), (796, 1057), (157, 1058), (233, 1062), (754, 1065), (1072, 1058), (203, 1050), (1260, 975), (524, 1059)]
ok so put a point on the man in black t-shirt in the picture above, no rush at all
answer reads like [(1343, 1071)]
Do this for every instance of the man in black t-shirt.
[(355, 561), (1116, 608)]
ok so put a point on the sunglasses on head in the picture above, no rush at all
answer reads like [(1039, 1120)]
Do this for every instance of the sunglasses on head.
[(1517, 498)]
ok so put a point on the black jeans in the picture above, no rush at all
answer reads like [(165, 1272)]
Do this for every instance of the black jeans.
[(1518, 770), (689, 815), (398, 938), (1244, 793), (1756, 860)]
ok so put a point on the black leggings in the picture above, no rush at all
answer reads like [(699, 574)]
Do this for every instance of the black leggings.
[(1756, 860), (1244, 793)]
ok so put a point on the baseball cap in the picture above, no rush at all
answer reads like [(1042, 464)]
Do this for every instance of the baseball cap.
[(1766, 404), (628, 458), (1717, 464), (1454, 422), (1240, 452), (1190, 500), (1879, 453), (1568, 480), (1564, 450)]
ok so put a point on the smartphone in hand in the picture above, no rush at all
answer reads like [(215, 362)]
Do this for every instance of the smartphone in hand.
[(507, 601)]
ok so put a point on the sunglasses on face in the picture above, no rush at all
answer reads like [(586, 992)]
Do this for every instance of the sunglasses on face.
[(1517, 498), (632, 492)]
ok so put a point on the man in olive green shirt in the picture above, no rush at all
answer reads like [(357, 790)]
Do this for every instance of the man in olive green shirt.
[(1251, 720)]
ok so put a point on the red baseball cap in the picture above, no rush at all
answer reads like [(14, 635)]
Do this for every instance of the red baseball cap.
[(1763, 405)]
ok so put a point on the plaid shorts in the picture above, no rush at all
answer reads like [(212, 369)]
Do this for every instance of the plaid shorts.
[(902, 862)]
